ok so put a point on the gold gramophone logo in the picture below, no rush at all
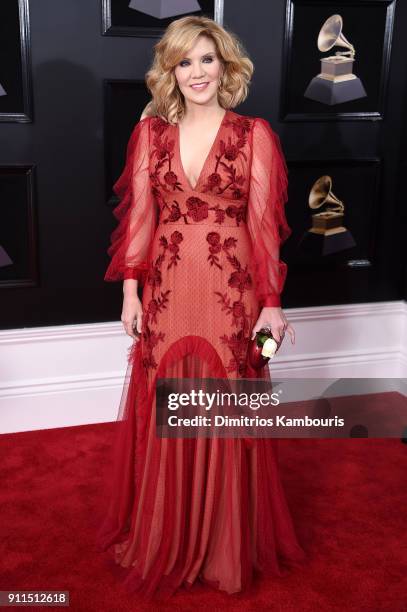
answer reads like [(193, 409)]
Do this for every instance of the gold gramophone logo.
[(327, 234), (328, 221), (336, 82)]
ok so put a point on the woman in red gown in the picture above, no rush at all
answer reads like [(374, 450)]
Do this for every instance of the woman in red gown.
[(203, 240)]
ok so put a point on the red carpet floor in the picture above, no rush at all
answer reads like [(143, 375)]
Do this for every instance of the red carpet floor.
[(348, 499)]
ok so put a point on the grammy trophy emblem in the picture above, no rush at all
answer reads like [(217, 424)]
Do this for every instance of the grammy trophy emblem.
[(169, 9), (327, 234), (336, 82)]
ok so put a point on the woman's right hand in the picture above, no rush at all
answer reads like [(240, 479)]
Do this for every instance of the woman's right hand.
[(132, 315)]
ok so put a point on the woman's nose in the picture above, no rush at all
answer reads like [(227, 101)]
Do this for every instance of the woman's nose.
[(197, 71)]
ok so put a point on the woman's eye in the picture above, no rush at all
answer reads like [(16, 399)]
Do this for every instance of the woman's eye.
[(205, 59)]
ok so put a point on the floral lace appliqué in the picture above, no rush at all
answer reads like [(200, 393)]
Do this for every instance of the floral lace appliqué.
[(240, 279), (160, 298), (225, 177)]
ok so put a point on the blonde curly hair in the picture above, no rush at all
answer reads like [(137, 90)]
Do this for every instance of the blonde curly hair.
[(167, 100)]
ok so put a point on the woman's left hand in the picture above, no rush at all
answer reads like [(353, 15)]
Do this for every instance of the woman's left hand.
[(274, 318)]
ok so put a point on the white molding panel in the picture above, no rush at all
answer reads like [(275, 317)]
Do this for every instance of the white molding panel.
[(73, 374)]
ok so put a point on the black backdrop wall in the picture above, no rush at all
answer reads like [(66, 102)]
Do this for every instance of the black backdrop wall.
[(72, 219)]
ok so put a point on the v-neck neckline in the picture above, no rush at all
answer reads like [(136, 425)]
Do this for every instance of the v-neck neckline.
[(207, 157)]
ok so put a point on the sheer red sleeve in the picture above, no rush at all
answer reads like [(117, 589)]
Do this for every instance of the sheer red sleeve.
[(136, 212), (267, 223)]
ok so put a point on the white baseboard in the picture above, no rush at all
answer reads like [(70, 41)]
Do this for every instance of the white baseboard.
[(73, 374)]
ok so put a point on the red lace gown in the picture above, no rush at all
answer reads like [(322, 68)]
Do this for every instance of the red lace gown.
[(207, 257)]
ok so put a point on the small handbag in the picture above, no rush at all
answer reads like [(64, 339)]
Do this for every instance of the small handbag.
[(262, 348)]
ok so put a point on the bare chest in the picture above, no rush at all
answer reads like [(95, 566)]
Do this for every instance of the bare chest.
[(194, 150)]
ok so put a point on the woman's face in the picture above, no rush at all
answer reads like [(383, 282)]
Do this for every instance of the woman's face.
[(200, 65)]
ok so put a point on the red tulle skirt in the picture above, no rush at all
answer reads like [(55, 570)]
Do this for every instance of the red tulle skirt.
[(210, 509)]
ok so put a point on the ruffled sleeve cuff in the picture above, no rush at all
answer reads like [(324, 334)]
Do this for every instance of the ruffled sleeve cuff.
[(272, 300)]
